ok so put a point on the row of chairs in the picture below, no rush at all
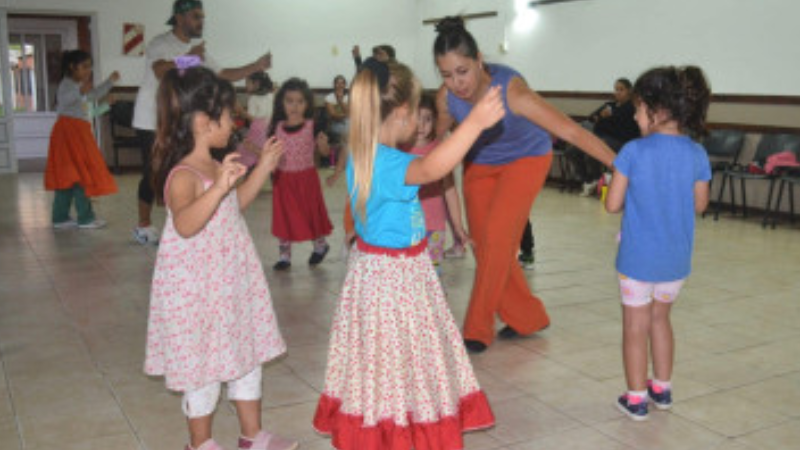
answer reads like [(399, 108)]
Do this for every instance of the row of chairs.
[(724, 147)]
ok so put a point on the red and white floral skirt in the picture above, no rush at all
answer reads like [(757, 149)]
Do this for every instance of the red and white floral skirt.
[(398, 376)]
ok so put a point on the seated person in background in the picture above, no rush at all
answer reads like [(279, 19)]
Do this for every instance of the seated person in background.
[(613, 122), (336, 105), (260, 88)]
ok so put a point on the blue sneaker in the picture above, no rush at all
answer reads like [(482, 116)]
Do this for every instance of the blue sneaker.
[(633, 407), (661, 398)]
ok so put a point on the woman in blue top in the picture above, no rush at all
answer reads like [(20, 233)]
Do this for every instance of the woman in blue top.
[(503, 173), (661, 180)]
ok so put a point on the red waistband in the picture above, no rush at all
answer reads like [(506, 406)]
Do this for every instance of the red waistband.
[(414, 250)]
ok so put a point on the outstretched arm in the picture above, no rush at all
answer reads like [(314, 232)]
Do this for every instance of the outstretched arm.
[(525, 102)]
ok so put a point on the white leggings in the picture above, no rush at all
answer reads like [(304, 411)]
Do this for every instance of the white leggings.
[(202, 402)]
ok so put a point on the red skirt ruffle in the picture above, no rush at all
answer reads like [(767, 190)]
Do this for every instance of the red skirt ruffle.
[(74, 158), (349, 432), (298, 207)]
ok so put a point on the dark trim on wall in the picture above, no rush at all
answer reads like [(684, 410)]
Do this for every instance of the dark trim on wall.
[(750, 99)]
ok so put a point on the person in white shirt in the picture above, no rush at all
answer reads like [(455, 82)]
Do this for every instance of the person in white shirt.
[(183, 39)]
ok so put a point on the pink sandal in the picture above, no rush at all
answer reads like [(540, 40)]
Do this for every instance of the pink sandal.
[(266, 441)]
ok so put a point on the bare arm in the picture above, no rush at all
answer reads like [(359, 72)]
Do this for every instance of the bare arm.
[(240, 73), (615, 199), (453, 202), (438, 163), (191, 206), (270, 155), (445, 121), (701, 194), (525, 102)]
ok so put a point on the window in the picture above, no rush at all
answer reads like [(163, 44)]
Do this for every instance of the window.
[(34, 70)]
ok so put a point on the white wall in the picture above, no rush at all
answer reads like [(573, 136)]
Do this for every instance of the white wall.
[(302, 34), (745, 46)]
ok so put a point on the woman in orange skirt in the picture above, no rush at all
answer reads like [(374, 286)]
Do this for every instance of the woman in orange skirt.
[(75, 167)]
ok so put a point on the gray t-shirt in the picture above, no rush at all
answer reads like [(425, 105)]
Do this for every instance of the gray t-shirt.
[(71, 102)]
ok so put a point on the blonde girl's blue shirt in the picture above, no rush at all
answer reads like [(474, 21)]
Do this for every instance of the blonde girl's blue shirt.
[(394, 217), (658, 219)]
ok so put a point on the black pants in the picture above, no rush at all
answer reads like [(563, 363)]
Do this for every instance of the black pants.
[(146, 140), (527, 244)]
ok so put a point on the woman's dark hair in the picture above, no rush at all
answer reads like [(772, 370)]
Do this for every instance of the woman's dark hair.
[(452, 36), (428, 102), (279, 112), (72, 58), (682, 92), (389, 50), (625, 82), (339, 77), (262, 81), (183, 93)]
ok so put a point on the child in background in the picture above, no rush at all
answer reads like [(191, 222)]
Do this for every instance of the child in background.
[(398, 376), (661, 181), (75, 166), (434, 195), (211, 318), (259, 110), (298, 208)]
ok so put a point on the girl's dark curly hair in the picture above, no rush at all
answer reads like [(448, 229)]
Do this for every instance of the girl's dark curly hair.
[(681, 92), (279, 112), (181, 95)]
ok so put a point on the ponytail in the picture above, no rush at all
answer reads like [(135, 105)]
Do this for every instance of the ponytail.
[(365, 124)]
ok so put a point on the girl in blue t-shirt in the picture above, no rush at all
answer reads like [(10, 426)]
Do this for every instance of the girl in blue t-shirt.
[(398, 375), (661, 180)]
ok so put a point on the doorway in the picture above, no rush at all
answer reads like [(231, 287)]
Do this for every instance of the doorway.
[(34, 45)]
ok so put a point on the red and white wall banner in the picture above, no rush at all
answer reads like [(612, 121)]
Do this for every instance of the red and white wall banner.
[(133, 39)]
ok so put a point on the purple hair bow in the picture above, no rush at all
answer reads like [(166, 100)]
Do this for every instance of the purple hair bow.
[(187, 61)]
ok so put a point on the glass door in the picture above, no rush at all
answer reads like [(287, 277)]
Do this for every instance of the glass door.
[(8, 160)]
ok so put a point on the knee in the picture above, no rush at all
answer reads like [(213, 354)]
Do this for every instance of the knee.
[(201, 402)]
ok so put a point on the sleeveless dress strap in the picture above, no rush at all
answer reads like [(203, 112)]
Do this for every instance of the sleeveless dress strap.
[(177, 168)]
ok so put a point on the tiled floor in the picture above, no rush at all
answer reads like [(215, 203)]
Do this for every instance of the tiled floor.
[(73, 308)]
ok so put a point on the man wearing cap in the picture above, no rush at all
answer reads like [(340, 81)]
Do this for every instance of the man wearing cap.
[(160, 56)]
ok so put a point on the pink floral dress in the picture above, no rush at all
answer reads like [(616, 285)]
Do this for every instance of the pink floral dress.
[(211, 317)]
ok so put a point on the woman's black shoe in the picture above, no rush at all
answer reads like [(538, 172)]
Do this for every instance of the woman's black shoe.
[(474, 346), (280, 266), (508, 333)]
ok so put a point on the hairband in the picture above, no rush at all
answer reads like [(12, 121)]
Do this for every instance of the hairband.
[(379, 69), (187, 61)]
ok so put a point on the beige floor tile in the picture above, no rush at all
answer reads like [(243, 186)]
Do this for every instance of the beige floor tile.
[(727, 414), (662, 431), (577, 439), (9, 437), (780, 437), (73, 311), (525, 418)]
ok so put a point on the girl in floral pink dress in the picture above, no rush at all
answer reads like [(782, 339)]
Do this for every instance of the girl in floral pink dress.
[(211, 318), (398, 376), (298, 207), (440, 196)]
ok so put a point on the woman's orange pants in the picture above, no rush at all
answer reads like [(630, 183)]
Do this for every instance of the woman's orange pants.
[(498, 202)]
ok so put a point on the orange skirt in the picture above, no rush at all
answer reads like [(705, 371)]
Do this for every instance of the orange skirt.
[(74, 158)]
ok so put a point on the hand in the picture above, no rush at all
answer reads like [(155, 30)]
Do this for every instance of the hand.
[(322, 144), (114, 77), (199, 50), (605, 113), (265, 62), (356, 52), (331, 180), (271, 153), (463, 238), (228, 173), (489, 109)]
